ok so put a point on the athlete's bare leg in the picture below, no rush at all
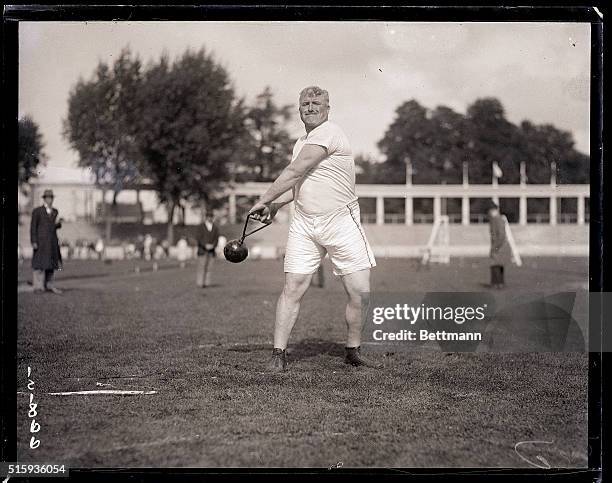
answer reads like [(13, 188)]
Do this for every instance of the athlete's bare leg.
[(288, 307), (357, 286)]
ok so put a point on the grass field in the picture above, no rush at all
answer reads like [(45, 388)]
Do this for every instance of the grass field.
[(204, 352)]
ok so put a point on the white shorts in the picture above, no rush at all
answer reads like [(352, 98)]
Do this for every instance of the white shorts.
[(338, 233)]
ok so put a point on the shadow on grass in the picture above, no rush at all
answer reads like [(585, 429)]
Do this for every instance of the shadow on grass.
[(212, 285), (27, 288), (304, 349), (307, 348)]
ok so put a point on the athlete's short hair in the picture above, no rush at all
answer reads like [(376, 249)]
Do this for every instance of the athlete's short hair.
[(314, 91)]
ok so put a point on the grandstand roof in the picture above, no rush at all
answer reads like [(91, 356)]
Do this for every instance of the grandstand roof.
[(72, 176), (61, 175)]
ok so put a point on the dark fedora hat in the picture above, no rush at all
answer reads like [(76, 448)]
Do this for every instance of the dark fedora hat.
[(48, 193)]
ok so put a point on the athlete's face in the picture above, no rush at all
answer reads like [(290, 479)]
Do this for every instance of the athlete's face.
[(313, 110)]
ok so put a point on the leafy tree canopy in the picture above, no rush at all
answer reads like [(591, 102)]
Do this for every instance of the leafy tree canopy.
[(438, 142), (30, 149)]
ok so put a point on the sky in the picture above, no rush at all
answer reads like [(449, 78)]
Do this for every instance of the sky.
[(539, 71)]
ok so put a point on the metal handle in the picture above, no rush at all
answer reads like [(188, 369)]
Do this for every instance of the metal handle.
[(245, 234)]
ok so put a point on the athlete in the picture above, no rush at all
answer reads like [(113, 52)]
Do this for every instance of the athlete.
[(321, 178)]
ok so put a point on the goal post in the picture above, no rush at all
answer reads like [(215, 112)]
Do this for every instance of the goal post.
[(437, 248)]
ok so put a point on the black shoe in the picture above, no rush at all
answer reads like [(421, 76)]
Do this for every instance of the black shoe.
[(278, 363), (353, 356)]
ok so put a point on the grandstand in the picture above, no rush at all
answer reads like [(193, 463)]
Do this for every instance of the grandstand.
[(392, 234)]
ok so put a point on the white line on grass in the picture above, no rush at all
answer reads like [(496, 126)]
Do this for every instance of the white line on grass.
[(101, 391)]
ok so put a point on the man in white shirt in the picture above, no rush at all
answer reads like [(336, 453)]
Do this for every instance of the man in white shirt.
[(321, 177)]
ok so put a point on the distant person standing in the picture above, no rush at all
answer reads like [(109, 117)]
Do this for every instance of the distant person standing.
[(154, 253), (147, 247), (46, 256), (165, 244), (100, 248), (139, 246), (318, 279), (207, 238), (500, 253), (182, 251)]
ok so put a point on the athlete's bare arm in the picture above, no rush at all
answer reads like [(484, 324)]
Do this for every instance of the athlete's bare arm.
[(268, 215), (309, 157)]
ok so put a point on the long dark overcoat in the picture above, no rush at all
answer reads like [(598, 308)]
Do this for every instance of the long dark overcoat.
[(501, 253), (43, 232), (204, 237)]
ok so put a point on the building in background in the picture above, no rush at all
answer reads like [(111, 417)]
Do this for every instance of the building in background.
[(549, 218)]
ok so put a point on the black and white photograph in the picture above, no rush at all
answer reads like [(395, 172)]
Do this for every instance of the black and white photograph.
[(304, 244)]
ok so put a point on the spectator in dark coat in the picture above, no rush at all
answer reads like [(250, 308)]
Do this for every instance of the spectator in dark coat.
[(46, 256), (501, 253), (207, 239)]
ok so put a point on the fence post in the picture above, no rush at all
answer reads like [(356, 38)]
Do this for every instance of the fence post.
[(465, 210), (437, 208), (581, 210), (523, 210), (553, 196), (380, 210), (409, 210)]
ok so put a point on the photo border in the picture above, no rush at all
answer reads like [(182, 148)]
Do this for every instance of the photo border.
[(599, 281)]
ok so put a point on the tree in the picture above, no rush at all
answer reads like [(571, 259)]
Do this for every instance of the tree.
[(189, 128), (449, 145), (271, 145), (100, 124), (438, 142), (573, 168), (371, 171), (408, 138), (433, 141), (30, 150), (492, 138), (545, 144)]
